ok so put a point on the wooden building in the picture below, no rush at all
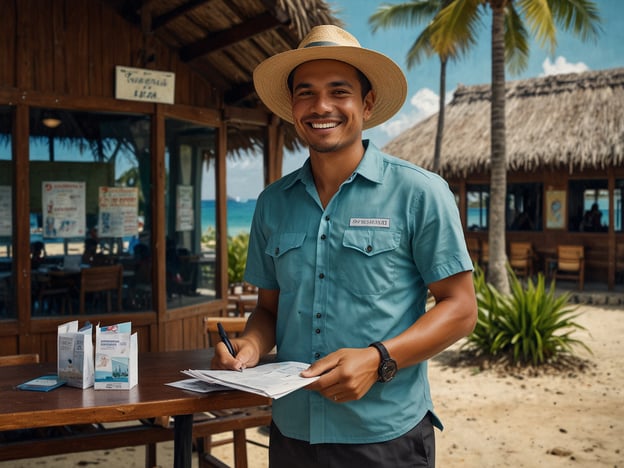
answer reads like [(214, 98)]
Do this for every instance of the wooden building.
[(565, 153), (115, 117)]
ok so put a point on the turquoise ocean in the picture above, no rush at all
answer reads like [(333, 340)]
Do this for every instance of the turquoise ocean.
[(239, 214)]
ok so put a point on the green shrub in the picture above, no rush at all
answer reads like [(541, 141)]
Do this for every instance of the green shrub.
[(237, 257), (530, 326)]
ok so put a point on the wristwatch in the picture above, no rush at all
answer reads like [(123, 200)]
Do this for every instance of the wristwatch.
[(387, 366)]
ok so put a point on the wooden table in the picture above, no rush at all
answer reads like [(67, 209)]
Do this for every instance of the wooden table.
[(243, 303), (151, 398)]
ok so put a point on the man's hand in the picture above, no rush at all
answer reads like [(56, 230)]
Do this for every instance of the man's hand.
[(247, 355), (346, 374)]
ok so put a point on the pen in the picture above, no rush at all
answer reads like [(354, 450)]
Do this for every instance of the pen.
[(225, 339)]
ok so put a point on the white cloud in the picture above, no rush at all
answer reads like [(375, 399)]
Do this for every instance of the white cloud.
[(424, 103), (561, 65)]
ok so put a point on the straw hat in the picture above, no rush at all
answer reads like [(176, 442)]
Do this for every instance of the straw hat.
[(334, 43)]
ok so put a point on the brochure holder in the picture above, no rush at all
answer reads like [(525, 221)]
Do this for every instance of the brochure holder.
[(75, 354), (116, 357)]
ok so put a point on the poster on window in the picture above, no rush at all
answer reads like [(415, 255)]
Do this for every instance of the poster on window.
[(118, 211), (555, 209), (63, 209), (184, 208), (5, 211)]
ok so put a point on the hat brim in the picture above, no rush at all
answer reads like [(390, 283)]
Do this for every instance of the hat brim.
[(385, 76)]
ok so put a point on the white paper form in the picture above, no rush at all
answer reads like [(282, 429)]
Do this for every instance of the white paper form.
[(272, 380)]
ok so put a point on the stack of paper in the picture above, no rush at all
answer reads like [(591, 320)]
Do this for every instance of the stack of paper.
[(272, 380)]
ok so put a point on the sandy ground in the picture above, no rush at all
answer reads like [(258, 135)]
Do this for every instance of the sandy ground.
[(491, 420)]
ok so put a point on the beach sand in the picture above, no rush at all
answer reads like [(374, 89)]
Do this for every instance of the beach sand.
[(492, 420)]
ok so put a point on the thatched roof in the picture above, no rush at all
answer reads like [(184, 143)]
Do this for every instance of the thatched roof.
[(224, 40), (573, 121)]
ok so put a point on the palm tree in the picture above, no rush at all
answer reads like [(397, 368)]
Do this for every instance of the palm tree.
[(458, 23), (410, 14)]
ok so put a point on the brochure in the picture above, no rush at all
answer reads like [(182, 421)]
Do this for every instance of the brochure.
[(75, 354), (45, 383), (196, 385), (272, 380), (116, 357)]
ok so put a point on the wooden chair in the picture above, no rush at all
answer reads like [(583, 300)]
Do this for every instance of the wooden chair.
[(571, 263), (52, 292), (237, 420), (521, 257), (19, 359), (102, 279)]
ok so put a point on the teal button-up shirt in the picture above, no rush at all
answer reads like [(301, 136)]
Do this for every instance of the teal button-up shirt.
[(351, 274)]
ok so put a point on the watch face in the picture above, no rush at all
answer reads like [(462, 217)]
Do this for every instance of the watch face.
[(387, 370)]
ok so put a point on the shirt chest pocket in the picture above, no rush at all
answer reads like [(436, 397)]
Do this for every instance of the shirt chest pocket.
[(286, 251), (367, 260)]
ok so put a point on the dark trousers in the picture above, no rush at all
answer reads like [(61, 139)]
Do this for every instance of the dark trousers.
[(413, 449)]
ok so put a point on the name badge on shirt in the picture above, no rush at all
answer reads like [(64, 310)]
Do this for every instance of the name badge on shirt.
[(370, 222)]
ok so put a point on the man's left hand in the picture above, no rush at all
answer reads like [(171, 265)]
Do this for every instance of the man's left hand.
[(346, 374)]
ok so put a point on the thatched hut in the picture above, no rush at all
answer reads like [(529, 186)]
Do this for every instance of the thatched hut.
[(565, 138)]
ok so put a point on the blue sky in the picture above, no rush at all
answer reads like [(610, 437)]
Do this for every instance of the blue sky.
[(571, 55)]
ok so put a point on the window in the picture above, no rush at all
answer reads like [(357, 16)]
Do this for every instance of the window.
[(89, 207), (6, 209), (191, 218), (478, 207), (524, 207), (588, 209)]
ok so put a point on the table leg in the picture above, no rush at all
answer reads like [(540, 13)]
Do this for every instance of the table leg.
[(183, 441)]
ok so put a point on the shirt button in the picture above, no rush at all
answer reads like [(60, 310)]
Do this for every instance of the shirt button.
[(321, 276), (317, 355), (318, 330), (276, 250), (318, 315), (323, 237), (326, 218), (369, 248)]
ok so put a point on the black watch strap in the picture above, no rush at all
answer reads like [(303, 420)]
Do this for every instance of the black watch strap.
[(382, 350), (388, 366)]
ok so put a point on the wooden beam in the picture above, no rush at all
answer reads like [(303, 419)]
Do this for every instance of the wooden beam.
[(227, 37), (163, 20), (239, 93), (159, 182), (243, 115), (221, 213), (21, 226)]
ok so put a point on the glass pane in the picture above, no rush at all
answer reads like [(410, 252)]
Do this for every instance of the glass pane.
[(478, 203), (589, 206), (6, 219), (89, 199), (191, 236), (524, 207)]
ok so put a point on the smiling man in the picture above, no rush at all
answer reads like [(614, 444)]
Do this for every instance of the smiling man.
[(344, 252)]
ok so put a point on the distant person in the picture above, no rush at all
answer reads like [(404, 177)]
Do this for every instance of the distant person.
[(37, 254), (522, 222), (592, 219), (344, 252), (91, 256)]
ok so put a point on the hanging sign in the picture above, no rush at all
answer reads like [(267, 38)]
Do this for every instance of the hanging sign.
[(184, 208), (138, 84), (63, 209), (118, 211)]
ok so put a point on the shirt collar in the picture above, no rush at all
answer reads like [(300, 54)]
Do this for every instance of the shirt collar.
[(370, 167)]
